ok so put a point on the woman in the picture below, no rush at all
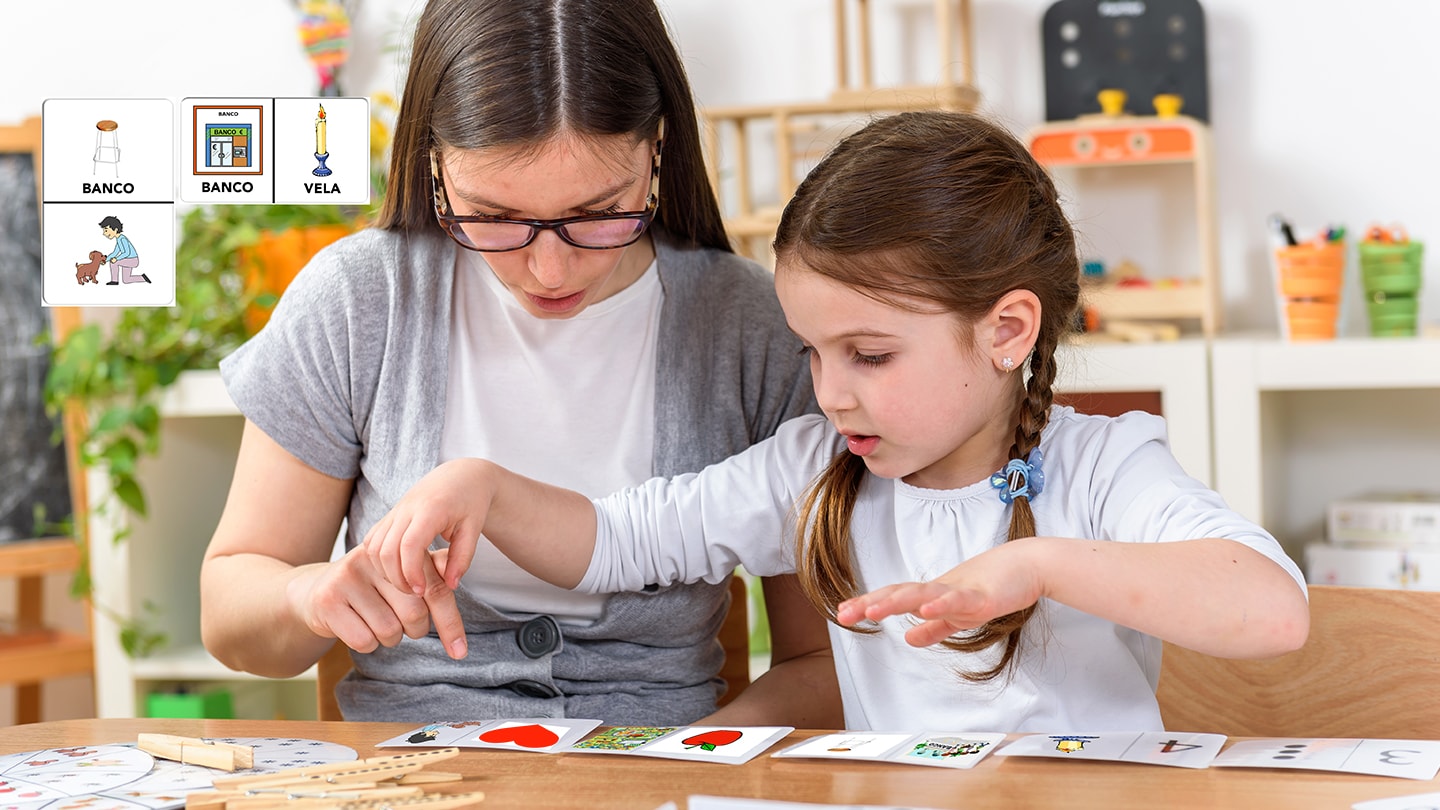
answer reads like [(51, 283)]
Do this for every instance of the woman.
[(577, 313)]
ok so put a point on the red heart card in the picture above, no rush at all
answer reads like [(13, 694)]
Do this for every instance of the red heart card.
[(531, 736)]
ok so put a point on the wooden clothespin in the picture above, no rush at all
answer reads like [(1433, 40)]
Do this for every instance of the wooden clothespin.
[(393, 767), (221, 799), (378, 783), (338, 801), (301, 798), (197, 751)]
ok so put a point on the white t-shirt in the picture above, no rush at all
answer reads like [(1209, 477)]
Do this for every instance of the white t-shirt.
[(1105, 479), (569, 402)]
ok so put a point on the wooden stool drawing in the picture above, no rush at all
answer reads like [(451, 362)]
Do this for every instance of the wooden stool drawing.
[(107, 146)]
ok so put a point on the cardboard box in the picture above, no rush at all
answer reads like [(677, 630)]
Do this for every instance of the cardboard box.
[(1373, 567), (1394, 519)]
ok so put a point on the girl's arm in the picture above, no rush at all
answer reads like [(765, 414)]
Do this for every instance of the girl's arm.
[(1215, 596), (544, 529)]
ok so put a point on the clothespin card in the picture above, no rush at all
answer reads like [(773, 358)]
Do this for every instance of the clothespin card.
[(197, 751)]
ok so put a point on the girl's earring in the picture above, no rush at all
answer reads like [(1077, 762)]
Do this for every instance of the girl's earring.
[(1008, 364)]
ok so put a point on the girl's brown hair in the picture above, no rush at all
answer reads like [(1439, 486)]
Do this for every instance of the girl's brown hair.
[(948, 208), (488, 73)]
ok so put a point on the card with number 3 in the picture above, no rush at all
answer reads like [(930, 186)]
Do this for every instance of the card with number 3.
[(1407, 759)]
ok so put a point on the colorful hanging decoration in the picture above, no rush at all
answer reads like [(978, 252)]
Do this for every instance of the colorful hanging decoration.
[(325, 33)]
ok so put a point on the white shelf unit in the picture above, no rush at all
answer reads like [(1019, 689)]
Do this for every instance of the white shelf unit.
[(1299, 425), (158, 564), (1177, 370)]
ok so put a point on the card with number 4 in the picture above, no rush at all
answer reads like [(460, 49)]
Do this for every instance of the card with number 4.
[(1176, 749), (938, 749), (1407, 759)]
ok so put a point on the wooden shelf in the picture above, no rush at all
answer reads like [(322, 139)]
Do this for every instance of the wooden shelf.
[(55, 655), (1185, 300), (31, 651), (1103, 141), (193, 664)]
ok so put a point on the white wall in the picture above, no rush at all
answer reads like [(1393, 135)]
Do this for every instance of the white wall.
[(1320, 111)]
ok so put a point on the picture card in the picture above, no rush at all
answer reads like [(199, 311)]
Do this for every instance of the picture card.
[(544, 735), (1176, 749), (1406, 759), (728, 744), (933, 748)]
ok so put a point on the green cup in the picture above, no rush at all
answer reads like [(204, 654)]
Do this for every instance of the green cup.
[(1391, 275), (1391, 268), (1393, 315)]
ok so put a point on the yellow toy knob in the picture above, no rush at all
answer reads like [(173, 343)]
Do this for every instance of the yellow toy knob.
[(1112, 101), (1167, 105)]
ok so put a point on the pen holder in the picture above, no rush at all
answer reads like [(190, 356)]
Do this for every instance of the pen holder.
[(1309, 278), (1391, 276)]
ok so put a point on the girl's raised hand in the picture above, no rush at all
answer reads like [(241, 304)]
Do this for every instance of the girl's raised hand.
[(450, 502), (987, 586)]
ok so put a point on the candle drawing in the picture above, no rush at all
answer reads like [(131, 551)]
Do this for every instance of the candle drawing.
[(321, 153), (320, 132)]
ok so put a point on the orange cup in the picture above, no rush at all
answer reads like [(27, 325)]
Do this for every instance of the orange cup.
[(1312, 320), (1310, 277)]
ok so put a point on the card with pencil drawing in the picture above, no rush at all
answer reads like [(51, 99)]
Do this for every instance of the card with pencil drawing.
[(933, 748)]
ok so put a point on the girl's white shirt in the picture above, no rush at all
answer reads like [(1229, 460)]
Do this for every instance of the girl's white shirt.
[(1105, 478), (566, 401)]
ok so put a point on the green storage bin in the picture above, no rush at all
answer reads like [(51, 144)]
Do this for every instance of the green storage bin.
[(213, 704)]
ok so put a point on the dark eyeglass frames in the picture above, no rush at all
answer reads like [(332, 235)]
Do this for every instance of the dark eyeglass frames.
[(589, 231)]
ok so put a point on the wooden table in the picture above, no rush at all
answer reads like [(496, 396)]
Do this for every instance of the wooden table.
[(561, 781)]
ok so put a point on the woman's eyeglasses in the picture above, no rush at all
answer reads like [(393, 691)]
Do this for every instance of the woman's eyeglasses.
[(590, 231)]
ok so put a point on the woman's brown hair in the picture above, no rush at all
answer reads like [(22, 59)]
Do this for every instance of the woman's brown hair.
[(947, 208), (488, 73)]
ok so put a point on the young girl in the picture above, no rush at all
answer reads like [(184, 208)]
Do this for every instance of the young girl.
[(1001, 563)]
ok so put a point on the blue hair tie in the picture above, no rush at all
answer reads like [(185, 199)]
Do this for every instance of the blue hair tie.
[(1020, 479)]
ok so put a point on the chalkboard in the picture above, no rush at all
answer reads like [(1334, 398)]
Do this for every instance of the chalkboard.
[(1144, 47), (33, 470)]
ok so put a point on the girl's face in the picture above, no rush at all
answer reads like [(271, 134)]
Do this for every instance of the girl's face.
[(913, 399), (566, 176)]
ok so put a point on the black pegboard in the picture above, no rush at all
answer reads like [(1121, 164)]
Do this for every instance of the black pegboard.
[(1144, 47)]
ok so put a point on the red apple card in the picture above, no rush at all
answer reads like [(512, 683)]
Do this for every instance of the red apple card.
[(1407, 759), (937, 749), (730, 744), (545, 735), (1178, 749)]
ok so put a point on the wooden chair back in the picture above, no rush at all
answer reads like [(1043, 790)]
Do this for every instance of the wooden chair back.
[(1368, 670), (734, 638)]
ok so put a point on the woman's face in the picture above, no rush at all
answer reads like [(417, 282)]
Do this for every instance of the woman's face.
[(566, 176)]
